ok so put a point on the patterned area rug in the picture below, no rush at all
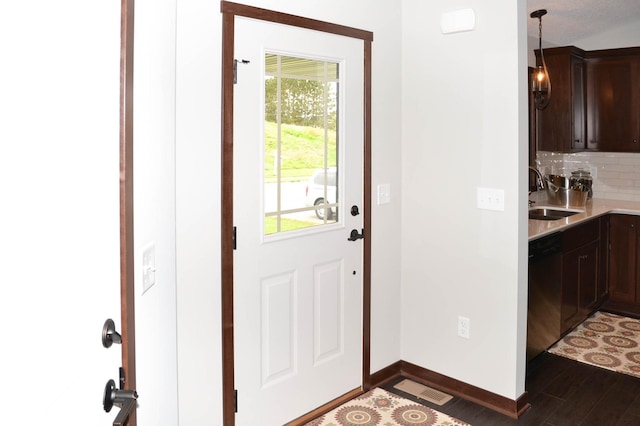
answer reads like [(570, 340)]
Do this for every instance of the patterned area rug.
[(604, 340), (379, 407)]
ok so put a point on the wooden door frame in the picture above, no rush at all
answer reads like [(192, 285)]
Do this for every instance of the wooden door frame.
[(229, 11), (127, 293)]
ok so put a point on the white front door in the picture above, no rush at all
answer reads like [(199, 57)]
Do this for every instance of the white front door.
[(297, 278)]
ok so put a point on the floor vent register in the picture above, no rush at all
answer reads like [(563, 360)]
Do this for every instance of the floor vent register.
[(423, 392)]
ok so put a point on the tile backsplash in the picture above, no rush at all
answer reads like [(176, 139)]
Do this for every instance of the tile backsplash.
[(616, 175)]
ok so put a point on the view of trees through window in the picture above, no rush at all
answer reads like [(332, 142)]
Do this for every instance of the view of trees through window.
[(300, 141)]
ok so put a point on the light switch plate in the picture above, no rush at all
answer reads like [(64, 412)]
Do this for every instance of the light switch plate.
[(491, 199), (384, 193), (464, 327), (148, 267)]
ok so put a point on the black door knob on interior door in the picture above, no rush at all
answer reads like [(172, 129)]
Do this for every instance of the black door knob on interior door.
[(355, 235)]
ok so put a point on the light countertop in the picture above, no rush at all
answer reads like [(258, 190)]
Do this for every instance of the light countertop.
[(593, 209)]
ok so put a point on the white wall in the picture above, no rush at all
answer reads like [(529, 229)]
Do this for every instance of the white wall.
[(155, 209), (198, 212), (198, 188), (465, 126)]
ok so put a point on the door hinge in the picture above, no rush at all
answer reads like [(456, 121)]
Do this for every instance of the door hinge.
[(235, 400), (233, 237), (235, 68)]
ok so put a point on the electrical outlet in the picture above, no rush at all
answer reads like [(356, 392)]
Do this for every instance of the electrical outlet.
[(464, 327)]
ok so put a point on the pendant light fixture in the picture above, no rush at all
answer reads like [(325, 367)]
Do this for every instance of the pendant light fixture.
[(540, 84)]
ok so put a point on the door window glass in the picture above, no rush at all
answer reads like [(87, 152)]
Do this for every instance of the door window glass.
[(300, 143)]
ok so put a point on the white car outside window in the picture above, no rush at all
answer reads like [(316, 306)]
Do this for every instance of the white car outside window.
[(315, 191)]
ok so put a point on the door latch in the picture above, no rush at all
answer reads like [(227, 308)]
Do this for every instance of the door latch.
[(355, 235), (124, 399)]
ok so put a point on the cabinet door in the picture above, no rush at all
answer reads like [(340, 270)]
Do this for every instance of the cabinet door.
[(561, 125), (623, 244), (554, 120), (603, 271), (570, 311), (579, 116), (579, 284), (588, 271), (613, 108)]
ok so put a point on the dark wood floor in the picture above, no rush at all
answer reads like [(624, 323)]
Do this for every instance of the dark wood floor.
[(562, 392)]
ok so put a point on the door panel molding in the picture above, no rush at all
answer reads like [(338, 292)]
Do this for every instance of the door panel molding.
[(229, 10), (329, 290), (277, 358)]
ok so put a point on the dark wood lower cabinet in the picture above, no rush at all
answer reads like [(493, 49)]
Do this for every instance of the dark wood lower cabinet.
[(580, 273), (600, 270), (624, 257), (603, 282)]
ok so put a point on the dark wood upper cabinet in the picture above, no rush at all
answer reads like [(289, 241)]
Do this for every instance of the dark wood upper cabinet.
[(595, 101), (579, 117), (562, 124), (613, 93)]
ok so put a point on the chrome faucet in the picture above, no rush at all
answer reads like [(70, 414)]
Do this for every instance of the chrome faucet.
[(539, 178)]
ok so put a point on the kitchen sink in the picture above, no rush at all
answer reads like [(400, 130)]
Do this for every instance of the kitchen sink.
[(545, 213)]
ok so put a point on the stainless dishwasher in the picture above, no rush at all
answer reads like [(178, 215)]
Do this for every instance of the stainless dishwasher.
[(545, 293)]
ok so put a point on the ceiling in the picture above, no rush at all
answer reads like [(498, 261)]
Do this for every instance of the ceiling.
[(569, 20)]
